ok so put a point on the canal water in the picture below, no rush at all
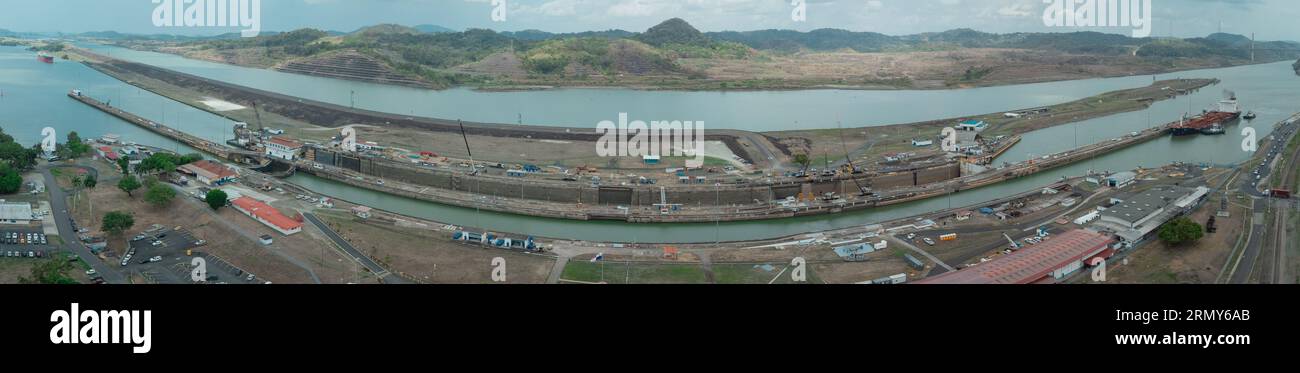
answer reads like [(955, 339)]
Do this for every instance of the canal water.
[(34, 97)]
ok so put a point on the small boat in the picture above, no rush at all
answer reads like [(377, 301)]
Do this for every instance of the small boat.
[(1249, 116)]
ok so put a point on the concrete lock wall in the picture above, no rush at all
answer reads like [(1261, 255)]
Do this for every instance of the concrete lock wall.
[(648, 195)]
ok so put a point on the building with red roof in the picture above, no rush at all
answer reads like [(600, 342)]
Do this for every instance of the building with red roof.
[(267, 215), (107, 152), (1047, 262), (209, 172)]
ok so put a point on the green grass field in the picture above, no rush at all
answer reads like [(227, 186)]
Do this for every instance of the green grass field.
[(635, 273)]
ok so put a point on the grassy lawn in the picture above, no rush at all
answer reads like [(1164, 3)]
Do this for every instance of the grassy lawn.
[(635, 273), (754, 274)]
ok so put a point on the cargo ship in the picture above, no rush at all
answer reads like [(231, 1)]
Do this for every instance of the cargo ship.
[(44, 57), (1210, 122)]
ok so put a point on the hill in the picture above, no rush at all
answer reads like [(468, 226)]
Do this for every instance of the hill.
[(674, 54), (432, 29)]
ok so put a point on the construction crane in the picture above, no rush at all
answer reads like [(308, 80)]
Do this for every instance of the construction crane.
[(862, 191)]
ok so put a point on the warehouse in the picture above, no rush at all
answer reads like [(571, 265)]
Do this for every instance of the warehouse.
[(15, 213), (1134, 211), (1047, 262)]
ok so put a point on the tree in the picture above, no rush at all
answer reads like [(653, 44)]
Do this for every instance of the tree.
[(51, 272), (90, 181), (116, 222), (74, 148), (129, 184), (216, 198), (802, 160), (125, 165), (10, 181), (1181, 231), (160, 195)]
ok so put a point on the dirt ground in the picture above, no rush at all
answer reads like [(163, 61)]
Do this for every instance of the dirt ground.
[(230, 234), (429, 256)]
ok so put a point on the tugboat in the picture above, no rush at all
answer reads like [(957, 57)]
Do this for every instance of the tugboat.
[(1249, 116)]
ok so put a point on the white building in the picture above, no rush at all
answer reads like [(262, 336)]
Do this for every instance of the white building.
[(283, 148), (1121, 179)]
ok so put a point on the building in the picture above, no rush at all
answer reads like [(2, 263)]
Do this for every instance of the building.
[(267, 215), (922, 143), (209, 172), (1047, 262), (1139, 209), (650, 159), (15, 213), (972, 125), (107, 152), (283, 148), (969, 143), (1121, 179), (1139, 217)]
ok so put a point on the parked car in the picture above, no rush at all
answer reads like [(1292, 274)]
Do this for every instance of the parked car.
[(90, 272), (928, 241)]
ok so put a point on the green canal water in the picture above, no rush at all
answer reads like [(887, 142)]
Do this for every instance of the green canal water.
[(34, 97)]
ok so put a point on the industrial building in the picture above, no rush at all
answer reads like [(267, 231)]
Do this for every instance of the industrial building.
[(1136, 218), (15, 213), (209, 172), (1121, 179), (1045, 263), (972, 125), (267, 215)]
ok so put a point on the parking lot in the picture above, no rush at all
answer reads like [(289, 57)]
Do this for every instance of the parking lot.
[(24, 242), (163, 256)]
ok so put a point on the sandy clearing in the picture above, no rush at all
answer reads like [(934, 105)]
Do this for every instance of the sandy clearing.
[(221, 106)]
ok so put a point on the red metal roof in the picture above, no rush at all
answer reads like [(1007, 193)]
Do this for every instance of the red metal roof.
[(266, 212), (214, 170), (286, 142), (1030, 264)]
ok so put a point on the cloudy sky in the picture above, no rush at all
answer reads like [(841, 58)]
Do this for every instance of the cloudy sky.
[(1269, 19)]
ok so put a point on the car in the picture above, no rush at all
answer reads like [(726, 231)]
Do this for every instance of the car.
[(250, 277), (157, 243), (928, 241), (90, 272), (161, 236), (911, 236), (137, 238), (200, 243), (156, 258), (40, 254)]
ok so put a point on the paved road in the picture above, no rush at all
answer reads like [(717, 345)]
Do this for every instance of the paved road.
[(71, 243), (1260, 204), (384, 274)]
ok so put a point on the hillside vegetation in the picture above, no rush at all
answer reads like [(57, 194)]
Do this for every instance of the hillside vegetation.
[(676, 55)]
